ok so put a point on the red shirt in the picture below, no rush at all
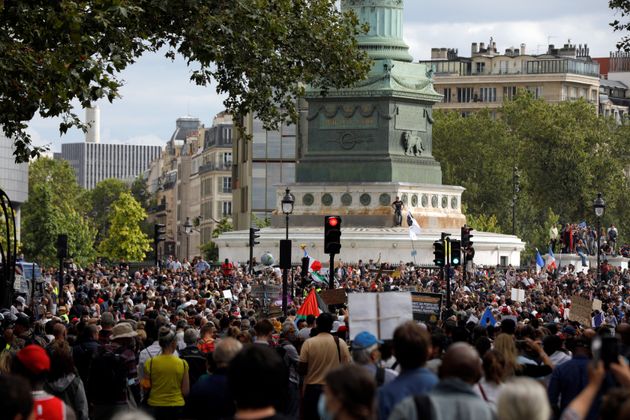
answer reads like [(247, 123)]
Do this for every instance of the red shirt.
[(227, 268), (48, 407)]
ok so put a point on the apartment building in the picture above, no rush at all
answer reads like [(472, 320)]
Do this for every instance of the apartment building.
[(487, 77)]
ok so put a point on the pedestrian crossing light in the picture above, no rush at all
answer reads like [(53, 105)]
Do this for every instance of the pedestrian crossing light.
[(438, 252)]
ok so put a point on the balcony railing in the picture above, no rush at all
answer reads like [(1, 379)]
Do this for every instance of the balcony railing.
[(211, 167)]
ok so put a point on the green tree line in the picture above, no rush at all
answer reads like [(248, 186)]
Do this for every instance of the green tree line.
[(106, 221), (565, 154)]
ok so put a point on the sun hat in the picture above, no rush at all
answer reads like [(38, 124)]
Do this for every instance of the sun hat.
[(123, 330)]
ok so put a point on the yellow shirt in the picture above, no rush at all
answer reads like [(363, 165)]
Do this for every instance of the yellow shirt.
[(166, 373), (321, 355)]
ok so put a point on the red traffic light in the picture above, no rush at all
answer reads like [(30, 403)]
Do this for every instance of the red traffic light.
[(333, 221)]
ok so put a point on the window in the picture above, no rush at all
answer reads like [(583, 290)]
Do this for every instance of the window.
[(509, 92), (480, 67), (565, 93), (447, 95), (227, 158), (503, 66), (227, 208), (537, 91), (464, 94), (227, 184), (488, 94)]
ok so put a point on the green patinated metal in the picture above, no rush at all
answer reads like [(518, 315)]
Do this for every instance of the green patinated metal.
[(380, 129)]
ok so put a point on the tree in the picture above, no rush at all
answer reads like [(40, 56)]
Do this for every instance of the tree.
[(140, 191), (224, 225), (125, 239), (55, 206), (565, 152), (100, 200), (622, 7), (261, 53)]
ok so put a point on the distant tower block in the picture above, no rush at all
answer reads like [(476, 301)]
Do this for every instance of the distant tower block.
[(93, 120)]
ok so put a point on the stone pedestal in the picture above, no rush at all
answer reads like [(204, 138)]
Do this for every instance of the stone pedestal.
[(369, 204)]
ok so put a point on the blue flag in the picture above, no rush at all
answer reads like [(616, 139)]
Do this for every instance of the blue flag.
[(487, 318), (539, 260)]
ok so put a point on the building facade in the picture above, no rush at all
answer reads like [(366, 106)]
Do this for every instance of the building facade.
[(487, 77), (94, 162), (13, 178), (215, 175), (260, 166)]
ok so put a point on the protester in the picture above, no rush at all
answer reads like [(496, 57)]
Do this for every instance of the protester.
[(523, 399), (166, 379), (453, 397), (365, 352), (193, 356), (348, 395), (62, 381), (411, 348), (16, 402), (318, 356)]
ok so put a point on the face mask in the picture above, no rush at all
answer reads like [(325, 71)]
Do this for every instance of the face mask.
[(322, 409)]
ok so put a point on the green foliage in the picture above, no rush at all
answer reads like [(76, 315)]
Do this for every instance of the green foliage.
[(622, 10), (565, 153), (260, 53), (210, 251), (55, 206), (140, 191), (224, 225), (261, 223), (100, 200), (484, 223), (125, 239)]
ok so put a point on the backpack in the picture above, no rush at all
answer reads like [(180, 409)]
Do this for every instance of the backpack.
[(380, 376), (108, 377)]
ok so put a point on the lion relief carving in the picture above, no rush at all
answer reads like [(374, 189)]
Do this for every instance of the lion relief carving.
[(412, 144)]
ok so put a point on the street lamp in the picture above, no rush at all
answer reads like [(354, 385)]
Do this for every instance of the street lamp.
[(188, 228), (599, 205), (287, 209)]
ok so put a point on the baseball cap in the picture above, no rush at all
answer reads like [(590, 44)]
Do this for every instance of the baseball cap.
[(34, 358), (365, 340)]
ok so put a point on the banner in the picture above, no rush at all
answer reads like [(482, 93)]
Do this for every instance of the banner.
[(426, 307), (580, 310)]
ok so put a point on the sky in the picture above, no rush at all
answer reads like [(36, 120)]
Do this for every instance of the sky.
[(157, 90)]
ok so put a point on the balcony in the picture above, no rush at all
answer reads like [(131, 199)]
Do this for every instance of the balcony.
[(213, 167)]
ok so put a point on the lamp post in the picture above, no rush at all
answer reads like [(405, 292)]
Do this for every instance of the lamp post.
[(599, 205), (287, 209), (188, 230)]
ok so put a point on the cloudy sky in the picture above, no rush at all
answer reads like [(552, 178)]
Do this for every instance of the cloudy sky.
[(157, 91)]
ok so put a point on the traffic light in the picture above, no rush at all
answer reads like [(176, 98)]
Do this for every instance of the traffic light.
[(466, 236), (62, 246), (253, 236), (438, 251), (456, 253), (332, 234), (159, 233)]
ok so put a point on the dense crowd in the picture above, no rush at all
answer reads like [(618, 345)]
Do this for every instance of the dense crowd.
[(172, 344)]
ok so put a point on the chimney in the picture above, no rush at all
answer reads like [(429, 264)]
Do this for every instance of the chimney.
[(523, 49), (93, 121), (473, 48), (482, 46), (494, 46)]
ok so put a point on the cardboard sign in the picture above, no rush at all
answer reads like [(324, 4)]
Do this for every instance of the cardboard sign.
[(518, 295), (378, 313), (580, 310), (227, 294), (334, 296), (426, 307), (269, 291), (597, 305)]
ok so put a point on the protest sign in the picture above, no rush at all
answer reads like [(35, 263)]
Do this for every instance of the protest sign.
[(227, 294), (378, 313), (597, 305), (518, 295), (580, 310), (426, 307), (334, 296)]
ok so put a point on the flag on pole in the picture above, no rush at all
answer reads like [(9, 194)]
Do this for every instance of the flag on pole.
[(540, 263), (313, 264), (551, 260), (310, 306), (318, 278), (414, 227), (487, 318)]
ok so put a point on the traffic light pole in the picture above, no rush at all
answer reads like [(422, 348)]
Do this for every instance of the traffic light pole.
[(251, 257), (331, 272)]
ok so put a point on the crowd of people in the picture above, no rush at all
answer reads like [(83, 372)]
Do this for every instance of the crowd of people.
[(581, 239), (172, 344)]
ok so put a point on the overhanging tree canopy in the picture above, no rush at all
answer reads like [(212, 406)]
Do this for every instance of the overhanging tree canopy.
[(258, 52)]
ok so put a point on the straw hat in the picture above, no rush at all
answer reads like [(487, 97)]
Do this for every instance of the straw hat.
[(123, 330)]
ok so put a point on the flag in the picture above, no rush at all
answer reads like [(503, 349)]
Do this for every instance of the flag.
[(551, 260), (318, 278), (414, 227), (487, 318), (311, 306), (313, 264), (540, 263)]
